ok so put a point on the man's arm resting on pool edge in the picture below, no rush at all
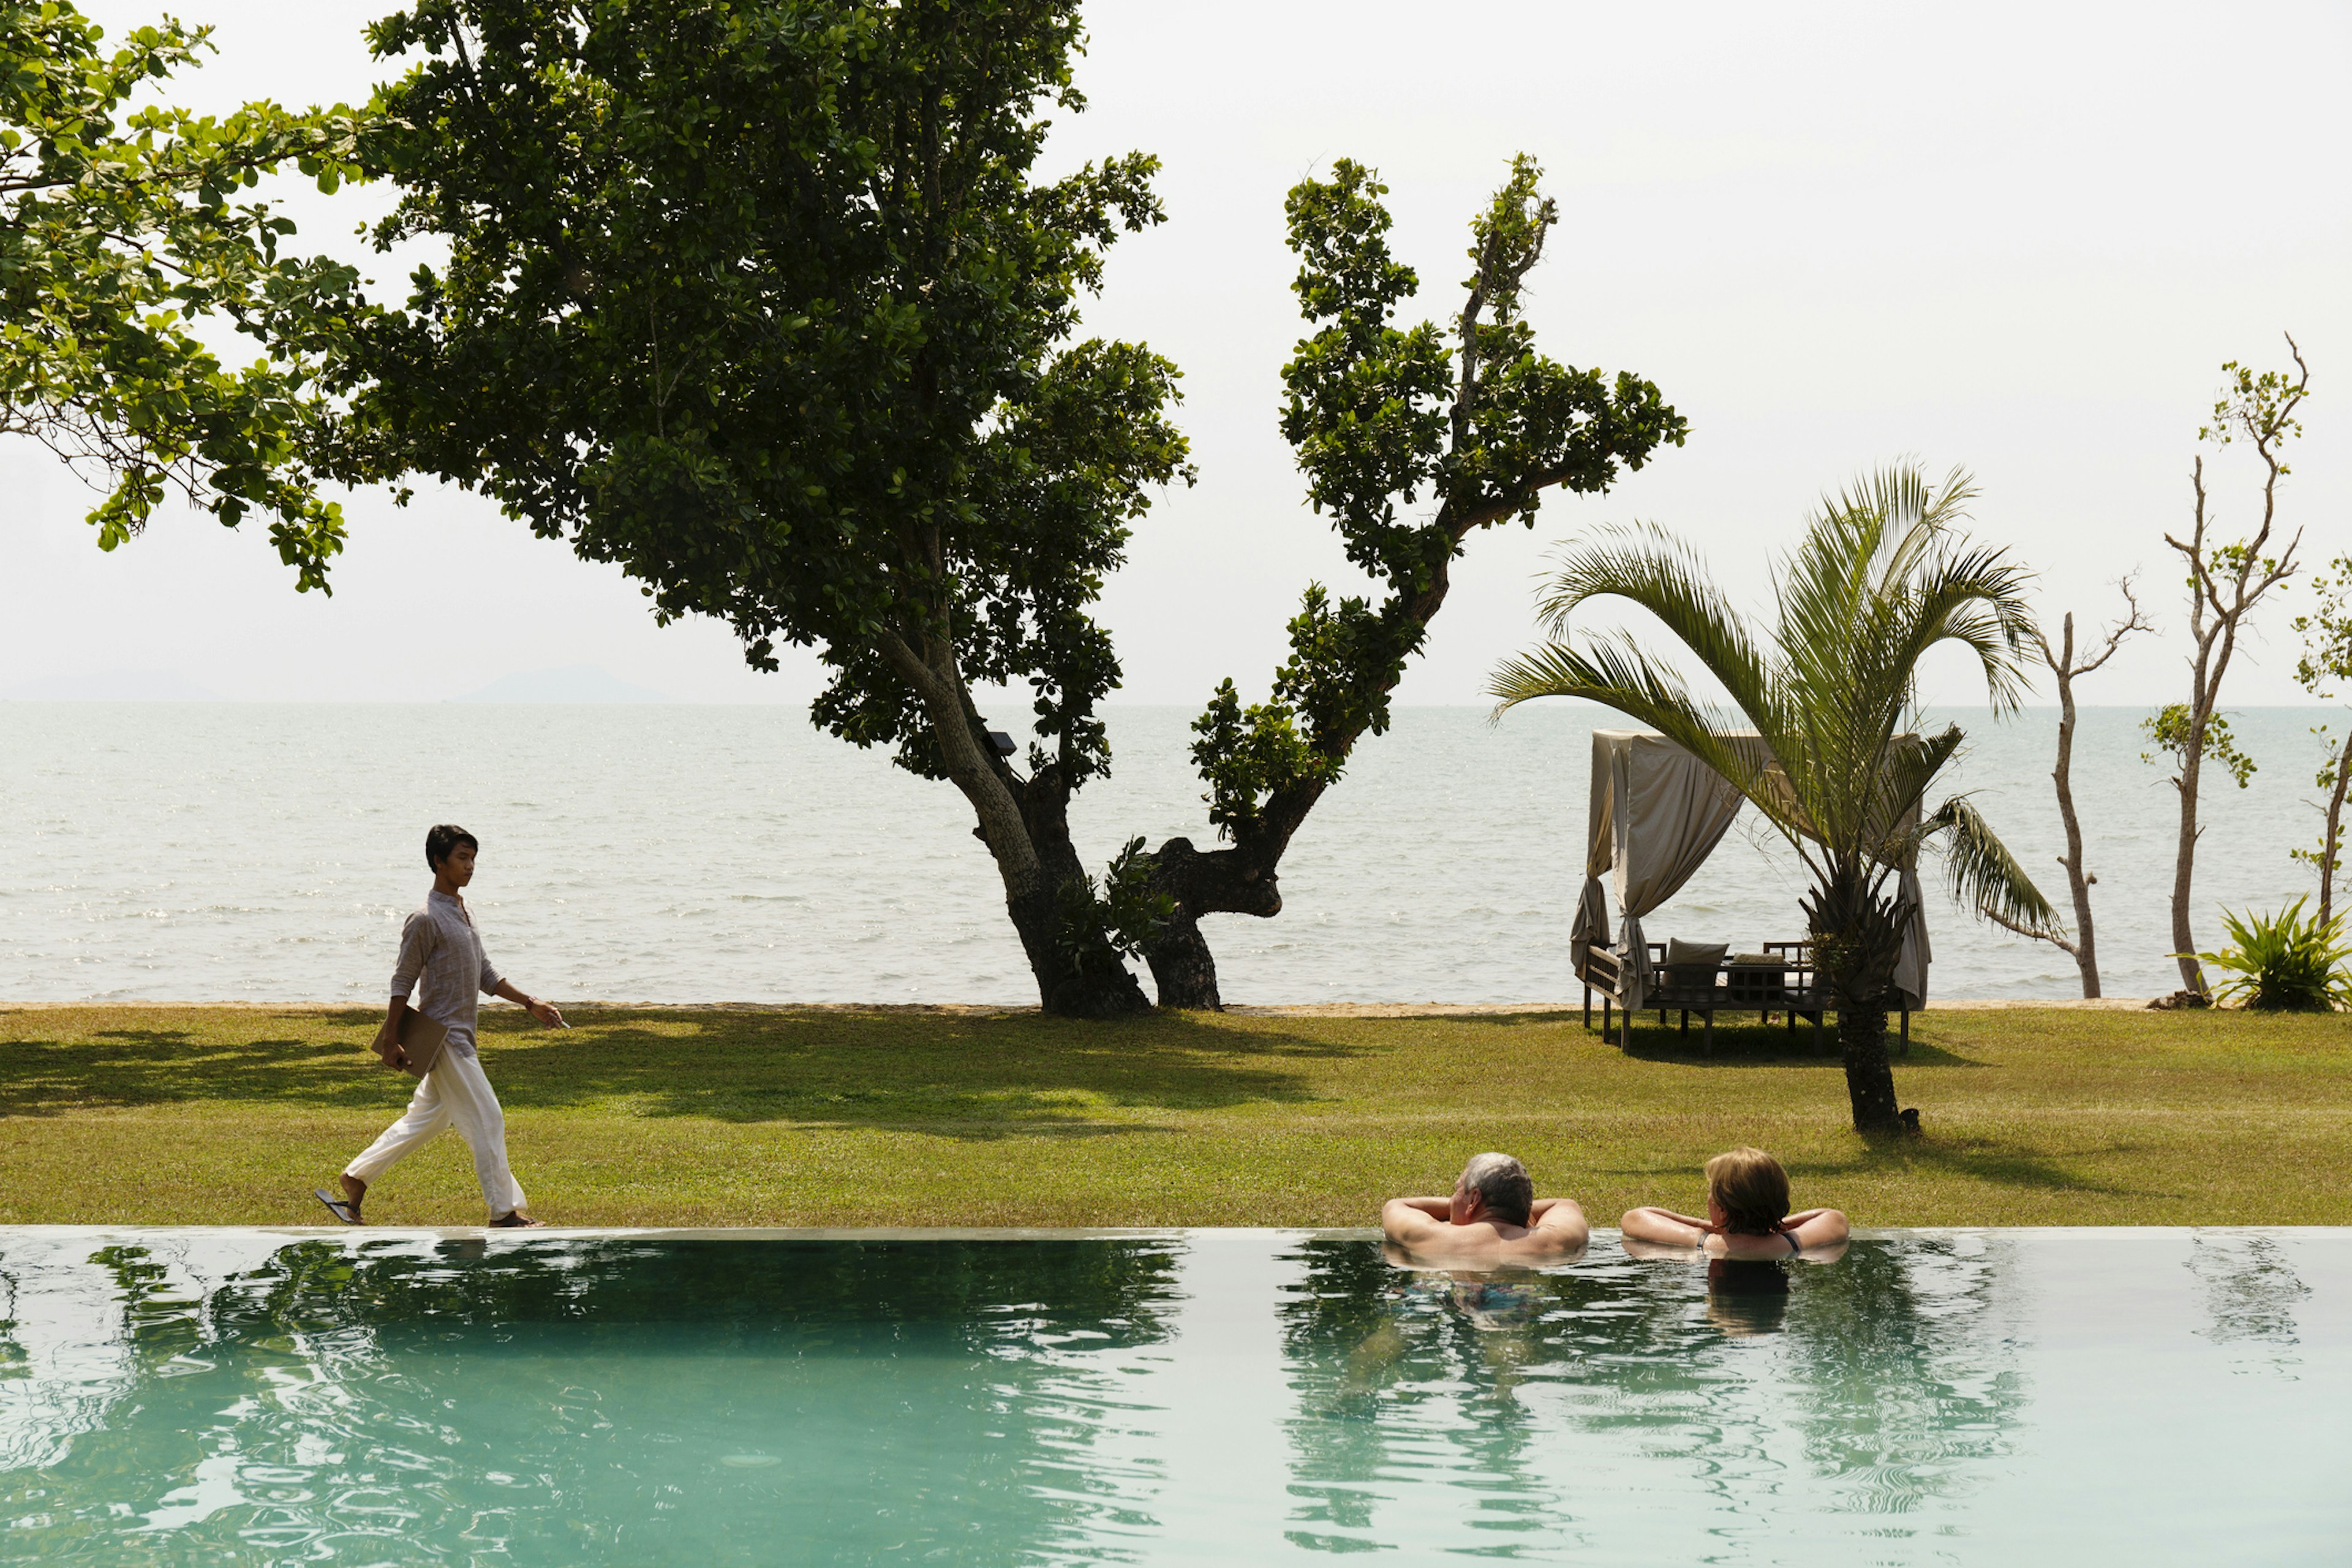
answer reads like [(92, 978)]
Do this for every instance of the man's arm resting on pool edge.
[(1403, 1219)]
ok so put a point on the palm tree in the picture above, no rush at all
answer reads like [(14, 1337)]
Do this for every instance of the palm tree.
[(1882, 576)]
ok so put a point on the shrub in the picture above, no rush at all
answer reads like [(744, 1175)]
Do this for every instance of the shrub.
[(2283, 962)]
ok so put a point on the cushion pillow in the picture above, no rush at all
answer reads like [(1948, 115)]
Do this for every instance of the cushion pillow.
[(1690, 966)]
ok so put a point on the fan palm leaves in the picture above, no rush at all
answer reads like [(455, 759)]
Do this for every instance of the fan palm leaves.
[(1883, 575)]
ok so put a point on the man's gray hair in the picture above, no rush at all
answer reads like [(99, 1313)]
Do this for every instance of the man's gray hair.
[(1503, 1185)]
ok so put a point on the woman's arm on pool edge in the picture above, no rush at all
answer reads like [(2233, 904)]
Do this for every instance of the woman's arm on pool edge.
[(1561, 1218), (1661, 1225), (1816, 1228)]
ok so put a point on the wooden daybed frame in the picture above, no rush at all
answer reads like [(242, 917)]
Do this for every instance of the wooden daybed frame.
[(1789, 985)]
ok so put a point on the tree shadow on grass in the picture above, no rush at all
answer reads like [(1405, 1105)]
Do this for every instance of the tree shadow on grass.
[(1993, 1161), (964, 1076), (1771, 1046), (1737, 1045), (123, 1068), (1996, 1162)]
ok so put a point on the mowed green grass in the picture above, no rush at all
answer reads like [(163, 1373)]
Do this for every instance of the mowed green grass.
[(694, 1117)]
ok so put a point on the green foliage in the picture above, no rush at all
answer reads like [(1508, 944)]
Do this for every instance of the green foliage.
[(119, 236), (2327, 857), (2327, 662), (1883, 575), (1101, 927), (761, 301), (2169, 728), (2254, 406), (1409, 441), (2327, 631), (2289, 961)]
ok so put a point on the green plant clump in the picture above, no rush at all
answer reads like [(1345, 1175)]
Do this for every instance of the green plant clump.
[(2286, 962)]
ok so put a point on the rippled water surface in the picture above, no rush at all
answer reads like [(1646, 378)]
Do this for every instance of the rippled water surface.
[(1235, 1397), (679, 854)]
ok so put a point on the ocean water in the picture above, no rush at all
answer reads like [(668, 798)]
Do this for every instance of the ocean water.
[(1234, 1396), (229, 851)]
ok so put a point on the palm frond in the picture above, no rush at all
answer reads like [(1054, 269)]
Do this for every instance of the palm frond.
[(1616, 673), (1984, 875), (1649, 567), (1910, 766), (1976, 597)]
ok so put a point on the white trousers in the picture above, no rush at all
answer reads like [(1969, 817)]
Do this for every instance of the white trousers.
[(454, 1091)]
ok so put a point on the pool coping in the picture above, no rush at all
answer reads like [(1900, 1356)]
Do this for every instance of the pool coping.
[(1024, 1233)]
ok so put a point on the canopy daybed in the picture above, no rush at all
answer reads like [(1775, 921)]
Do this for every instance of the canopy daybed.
[(1655, 814)]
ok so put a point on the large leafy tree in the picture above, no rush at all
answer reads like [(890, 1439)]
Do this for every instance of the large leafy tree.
[(123, 241), (763, 300), (1883, 575), (1411, 439)]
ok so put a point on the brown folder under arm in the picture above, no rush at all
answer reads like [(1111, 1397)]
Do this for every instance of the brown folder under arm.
[(421, 1039)]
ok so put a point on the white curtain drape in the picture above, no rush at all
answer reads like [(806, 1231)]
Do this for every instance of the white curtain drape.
[(1911, 968), (1657, 812)]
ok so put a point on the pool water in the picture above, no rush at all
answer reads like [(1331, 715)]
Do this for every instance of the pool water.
[(184, 1396)]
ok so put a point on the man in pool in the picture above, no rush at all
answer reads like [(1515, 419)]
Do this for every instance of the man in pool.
[(1494, 1216), (440, 948)]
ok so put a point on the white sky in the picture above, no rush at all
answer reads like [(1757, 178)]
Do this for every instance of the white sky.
[(2021, 238)]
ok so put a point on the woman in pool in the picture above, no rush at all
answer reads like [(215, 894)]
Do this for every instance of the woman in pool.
[(1746, 1214)]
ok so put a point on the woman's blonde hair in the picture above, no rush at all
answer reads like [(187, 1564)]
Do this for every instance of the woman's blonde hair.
[(1750, 1188)]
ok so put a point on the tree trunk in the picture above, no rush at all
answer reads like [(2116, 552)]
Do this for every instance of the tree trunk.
[(1857, 941), (1101, 988), (1223, 881), (1062, 989), (2184, 944), (2085, 950), (2332, 837), (1025, 823), (1869, 1077), (1182, 968)]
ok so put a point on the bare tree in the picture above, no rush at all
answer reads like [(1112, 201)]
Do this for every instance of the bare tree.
[(2326, 661), (2083, 946), (2226, 582)]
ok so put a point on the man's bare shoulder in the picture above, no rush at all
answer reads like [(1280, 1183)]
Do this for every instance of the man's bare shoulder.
[(1481, 1242)]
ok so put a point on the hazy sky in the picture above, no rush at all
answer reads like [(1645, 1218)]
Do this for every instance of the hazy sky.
[(2020, 238)]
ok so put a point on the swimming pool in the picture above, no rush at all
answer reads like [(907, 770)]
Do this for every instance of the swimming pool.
[(1238, 1396)]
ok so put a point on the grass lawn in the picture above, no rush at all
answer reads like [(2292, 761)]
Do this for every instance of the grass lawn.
[(195, 1115)]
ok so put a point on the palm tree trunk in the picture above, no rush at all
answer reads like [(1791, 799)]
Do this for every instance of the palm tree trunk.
[(1857, 938), (1869, 1079)]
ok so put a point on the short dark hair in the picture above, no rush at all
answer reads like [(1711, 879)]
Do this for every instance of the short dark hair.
[(443, 841), (1502, 1184)]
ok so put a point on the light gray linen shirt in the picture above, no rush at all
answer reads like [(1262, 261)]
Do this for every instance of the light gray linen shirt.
[(440, 947)]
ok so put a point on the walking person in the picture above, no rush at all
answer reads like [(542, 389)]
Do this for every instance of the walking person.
[(441, 959)]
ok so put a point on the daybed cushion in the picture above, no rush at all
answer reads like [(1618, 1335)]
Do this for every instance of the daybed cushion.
[(1690, 966)]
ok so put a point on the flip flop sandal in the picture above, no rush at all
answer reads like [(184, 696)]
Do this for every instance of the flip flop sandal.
[(517, 1221), (340, 1208)]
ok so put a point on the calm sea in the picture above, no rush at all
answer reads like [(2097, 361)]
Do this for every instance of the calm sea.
[(238, 851)]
